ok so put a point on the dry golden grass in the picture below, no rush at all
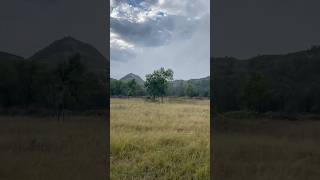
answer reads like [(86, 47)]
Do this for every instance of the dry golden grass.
[(34, 148), (264, 149), (158, 141), (166, 141)]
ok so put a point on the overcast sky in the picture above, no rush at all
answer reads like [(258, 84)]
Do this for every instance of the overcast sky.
[(147, 35), (247, 28), (29, 25)]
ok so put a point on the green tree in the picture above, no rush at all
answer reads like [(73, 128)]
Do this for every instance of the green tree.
[(190, 90), (157, 82), (118, 88), (255, 93), (70, 77), (132, 88)]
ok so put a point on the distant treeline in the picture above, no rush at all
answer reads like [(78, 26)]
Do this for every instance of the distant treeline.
[(281, 83), (178, 88), (68, 85), (126, 88)]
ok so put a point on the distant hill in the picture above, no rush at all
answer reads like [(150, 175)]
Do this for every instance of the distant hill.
[(289, 82), (63, 49), (200, 87), (132, 76), (9, 57), (8, 64), (45, 81), (177, 87)]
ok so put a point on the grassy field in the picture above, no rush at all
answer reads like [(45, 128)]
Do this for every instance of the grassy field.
[(166, 141), (159, 141), (34, 148), (266, 149)]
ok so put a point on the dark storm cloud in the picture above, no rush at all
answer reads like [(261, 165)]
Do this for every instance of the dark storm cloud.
[(154, 32), (29, 25), (249, 27)]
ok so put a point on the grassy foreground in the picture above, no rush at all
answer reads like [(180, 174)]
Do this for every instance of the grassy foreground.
[(33, 148), (166, 141), (266, 149)]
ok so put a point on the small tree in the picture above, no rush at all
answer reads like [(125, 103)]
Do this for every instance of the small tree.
[(118, 88), (70, 76), (255, 93), (190, 90), (132, 88), (157, 82)]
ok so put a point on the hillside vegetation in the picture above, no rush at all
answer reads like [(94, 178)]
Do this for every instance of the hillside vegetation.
[(283, 83), (178, 88), (267, 125), (68, 74)]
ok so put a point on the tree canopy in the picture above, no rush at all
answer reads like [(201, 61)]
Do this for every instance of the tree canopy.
[(157, 82)]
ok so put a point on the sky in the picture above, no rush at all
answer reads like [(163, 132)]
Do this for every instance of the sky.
[(29, 25), (167, 33), (248, 28), (150, 34)]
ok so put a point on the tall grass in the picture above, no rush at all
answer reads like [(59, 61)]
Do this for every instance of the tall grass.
[(159, 140), (33, 148), (265, 149)]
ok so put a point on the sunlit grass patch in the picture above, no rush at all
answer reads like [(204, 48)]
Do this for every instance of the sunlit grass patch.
[(167, 140)]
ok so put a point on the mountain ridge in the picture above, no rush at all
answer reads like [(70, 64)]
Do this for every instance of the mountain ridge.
[(132, 76), (200, 86), (62, 49), (6, 55)]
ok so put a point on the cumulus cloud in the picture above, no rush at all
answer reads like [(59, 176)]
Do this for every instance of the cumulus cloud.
[(152, 33), (151, 23), (121, 50)]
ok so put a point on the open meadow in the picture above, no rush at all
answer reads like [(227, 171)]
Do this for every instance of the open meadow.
[(42, 148), (151, 140), (267, 149)]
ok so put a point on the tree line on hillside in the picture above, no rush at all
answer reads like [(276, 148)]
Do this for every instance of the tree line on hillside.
[(160, 82), (277, 83), (126, 88), (190, 88), (69, 85)]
